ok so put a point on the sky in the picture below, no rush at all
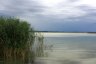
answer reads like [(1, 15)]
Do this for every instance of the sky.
[(53, 15)]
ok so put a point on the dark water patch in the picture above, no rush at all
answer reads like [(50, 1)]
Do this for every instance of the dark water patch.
[(67, 61), (88, 55)]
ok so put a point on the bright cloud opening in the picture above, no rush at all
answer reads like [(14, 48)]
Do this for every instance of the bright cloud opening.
[(50, 3)]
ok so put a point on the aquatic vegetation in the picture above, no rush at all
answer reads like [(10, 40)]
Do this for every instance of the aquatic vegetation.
[(39, 52), (15, 39), (19, 43)]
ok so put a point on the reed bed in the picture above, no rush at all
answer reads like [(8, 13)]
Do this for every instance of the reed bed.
[(16, 40)]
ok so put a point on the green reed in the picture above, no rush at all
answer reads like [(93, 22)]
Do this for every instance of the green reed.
[(15, 39)]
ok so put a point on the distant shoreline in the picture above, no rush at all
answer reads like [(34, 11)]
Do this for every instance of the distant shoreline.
[(64, 32)]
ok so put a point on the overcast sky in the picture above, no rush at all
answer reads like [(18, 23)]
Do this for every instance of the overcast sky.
[(53, 15)]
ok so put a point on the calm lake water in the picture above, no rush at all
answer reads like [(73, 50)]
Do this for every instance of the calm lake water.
[(69, 48)]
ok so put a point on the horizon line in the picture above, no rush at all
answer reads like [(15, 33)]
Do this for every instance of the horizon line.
[(65, 31)]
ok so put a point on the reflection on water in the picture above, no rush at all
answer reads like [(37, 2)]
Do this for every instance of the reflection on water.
[(77, 48)]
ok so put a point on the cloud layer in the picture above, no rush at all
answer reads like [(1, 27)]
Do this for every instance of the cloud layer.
[(53, 15)]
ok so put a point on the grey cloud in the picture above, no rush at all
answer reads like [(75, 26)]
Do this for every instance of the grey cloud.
[(91, 13), (20, 7), (87, 9), (28, 8), (32, 9)]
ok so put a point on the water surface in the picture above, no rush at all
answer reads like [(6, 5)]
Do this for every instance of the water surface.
[(69, 48)]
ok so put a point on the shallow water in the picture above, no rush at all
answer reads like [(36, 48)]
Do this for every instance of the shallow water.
[(70, 48)]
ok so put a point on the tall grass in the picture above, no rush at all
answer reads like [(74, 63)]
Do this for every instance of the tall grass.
[(40, 45), (15, 39)]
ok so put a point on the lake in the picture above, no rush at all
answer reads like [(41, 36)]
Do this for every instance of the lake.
[(66, 48), (69, 48)]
